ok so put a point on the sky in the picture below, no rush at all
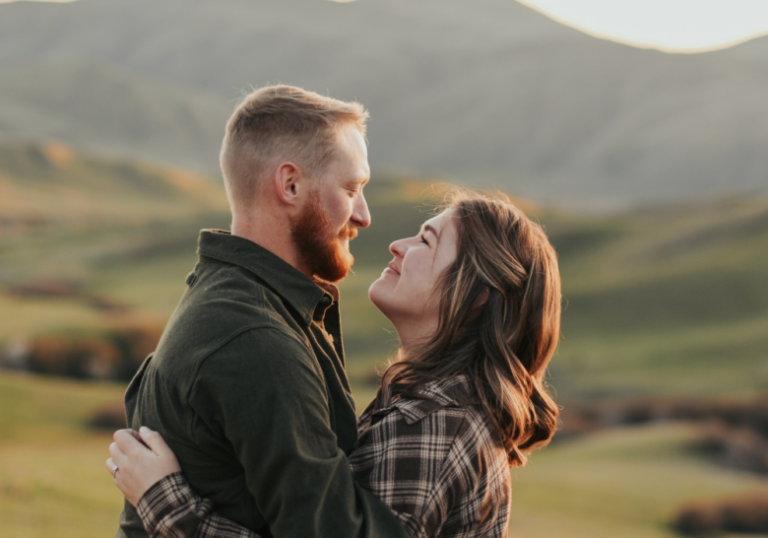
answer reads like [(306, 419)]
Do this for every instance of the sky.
[(669, 25)]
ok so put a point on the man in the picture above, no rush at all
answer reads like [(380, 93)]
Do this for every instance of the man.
[(247, 384)]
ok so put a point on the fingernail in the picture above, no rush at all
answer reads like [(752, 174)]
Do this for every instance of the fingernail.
[(145, 430)]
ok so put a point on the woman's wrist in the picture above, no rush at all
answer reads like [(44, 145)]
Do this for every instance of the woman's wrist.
[(171, 498)]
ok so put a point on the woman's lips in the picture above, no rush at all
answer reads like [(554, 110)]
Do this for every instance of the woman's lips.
[(390, 268)]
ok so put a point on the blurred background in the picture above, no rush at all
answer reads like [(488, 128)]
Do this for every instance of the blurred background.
[(635, 132)]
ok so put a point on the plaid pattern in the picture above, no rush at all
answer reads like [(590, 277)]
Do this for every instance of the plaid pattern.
[(435, 462), (433, 459), (171, 509)]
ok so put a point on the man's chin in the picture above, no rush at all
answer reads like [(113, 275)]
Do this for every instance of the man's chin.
[(337, 265)]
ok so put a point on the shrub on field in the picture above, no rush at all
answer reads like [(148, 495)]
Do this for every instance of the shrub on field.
[(112, 354), (734, 434), (81, 357), (746, 514), (133, 344), (742, 448), (110, 417), (583, 418)]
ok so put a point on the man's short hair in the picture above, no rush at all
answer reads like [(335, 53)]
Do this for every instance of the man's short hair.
[(281, 123)]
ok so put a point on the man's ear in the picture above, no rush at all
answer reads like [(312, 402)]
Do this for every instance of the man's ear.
[(288, 181)]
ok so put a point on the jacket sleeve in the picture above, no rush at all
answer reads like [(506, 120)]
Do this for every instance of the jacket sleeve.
[(266, 394), (170, 509)]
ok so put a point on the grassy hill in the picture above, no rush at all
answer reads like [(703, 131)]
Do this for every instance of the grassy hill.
[(490, 92), (661, 300), (75, 224), (667, 300), (624, 483)]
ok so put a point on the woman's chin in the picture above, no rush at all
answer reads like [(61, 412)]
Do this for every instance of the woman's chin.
[(377, 293)]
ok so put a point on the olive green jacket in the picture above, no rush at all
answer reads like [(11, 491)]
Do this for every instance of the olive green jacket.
[(248, 387)]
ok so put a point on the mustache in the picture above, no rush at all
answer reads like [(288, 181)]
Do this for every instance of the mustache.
[(349, 232)]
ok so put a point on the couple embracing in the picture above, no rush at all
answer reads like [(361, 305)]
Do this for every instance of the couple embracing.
[(245, 418)]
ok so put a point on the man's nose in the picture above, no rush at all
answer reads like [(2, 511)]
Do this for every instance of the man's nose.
[(360, 215)]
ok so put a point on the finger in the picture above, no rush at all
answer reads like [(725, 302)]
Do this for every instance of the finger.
[(111, 468), (118, 456), (156, 442), (128, 443)]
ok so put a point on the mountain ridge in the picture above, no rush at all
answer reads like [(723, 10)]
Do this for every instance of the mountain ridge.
[(494, 94)]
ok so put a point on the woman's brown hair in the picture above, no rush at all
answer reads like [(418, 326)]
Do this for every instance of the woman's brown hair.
[(503, 345)]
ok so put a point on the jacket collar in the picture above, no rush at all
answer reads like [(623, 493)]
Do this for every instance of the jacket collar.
[(303, 294)]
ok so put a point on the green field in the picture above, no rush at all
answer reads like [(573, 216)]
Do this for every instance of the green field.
[(625, 482), (660, 301), (52, 476)]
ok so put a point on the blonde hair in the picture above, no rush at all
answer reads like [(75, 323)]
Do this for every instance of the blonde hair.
[(503, 346), (278, 123)]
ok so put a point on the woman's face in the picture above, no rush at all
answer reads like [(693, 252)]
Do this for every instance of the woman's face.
[(406, 289)]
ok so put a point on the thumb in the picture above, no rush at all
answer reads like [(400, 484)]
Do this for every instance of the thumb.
[(155, 442)]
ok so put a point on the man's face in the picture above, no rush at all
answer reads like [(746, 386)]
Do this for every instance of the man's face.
[(335, 209)]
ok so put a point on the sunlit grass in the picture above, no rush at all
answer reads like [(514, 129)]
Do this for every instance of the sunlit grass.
[(626, 482), (52, 475), (669, 301)]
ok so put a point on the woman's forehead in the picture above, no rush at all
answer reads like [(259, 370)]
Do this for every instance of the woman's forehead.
[(439, 221)]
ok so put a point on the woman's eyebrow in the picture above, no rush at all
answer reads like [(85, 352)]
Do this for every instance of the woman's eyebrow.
[(430, 228)]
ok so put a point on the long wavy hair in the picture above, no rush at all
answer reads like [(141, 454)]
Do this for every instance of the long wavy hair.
[(504, 344)]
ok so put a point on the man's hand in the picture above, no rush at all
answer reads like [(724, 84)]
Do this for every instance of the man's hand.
[(138, 461)]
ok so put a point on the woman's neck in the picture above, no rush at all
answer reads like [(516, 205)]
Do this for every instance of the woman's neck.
[(413, 332)]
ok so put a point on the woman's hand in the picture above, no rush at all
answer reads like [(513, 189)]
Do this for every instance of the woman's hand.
[(136, 467)]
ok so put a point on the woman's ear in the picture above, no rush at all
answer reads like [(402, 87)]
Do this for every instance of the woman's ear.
[(482, 298)]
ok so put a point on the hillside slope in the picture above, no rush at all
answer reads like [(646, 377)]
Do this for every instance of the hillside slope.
[(662, 300), (489, 92), (66, 214), (667, 300)]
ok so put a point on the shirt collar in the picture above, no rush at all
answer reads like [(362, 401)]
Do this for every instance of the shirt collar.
[(302, 293), (450, 392)]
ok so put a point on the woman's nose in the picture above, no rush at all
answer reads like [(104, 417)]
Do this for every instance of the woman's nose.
[(398, 248)]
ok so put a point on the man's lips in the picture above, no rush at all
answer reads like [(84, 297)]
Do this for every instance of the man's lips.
[(348, 233)]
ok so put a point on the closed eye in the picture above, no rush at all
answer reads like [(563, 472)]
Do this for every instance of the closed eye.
[(423, 240)]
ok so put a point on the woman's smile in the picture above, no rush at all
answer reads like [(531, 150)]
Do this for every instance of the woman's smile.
[(407, 288), (390, 269)]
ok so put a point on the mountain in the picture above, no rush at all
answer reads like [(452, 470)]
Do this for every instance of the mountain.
[(487, 92)]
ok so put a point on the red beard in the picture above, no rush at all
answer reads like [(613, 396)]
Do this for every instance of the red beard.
[(318, 244)]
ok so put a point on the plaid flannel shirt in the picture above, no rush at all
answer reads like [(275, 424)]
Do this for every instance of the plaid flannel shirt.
[(433, 460)]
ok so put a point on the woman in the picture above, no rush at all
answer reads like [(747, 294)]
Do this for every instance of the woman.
[(475, 301)]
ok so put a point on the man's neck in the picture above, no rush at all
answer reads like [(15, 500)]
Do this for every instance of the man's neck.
[(268, 231)]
